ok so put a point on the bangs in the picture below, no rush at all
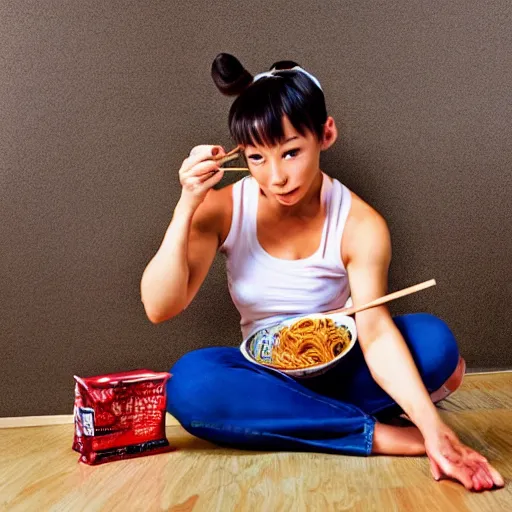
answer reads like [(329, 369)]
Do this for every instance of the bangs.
[(256, 116)]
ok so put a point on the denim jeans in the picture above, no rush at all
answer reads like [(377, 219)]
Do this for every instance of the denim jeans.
[(217, 395)]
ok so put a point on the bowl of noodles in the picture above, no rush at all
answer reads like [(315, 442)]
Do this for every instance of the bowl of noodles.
[(302, 346)]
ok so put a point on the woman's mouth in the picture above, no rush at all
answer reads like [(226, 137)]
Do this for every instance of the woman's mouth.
[(287, 196)]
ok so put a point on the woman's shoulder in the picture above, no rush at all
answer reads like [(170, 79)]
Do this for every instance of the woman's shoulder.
[(361, 211), (217, 208), (364, 225)]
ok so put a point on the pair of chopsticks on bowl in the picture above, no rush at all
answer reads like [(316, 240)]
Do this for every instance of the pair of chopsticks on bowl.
[(230, 155)]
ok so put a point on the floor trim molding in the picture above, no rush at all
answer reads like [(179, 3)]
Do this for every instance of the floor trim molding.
[(486, 372), (60, 419)]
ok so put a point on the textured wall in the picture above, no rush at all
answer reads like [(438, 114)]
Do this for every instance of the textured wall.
[(101, 101)]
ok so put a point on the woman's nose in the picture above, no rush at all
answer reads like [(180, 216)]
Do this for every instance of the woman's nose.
[(277, 177)]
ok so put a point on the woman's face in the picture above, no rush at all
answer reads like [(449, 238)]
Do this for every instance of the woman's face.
[(287, 171)]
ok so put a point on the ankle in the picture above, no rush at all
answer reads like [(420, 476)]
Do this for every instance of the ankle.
[(392, 440)]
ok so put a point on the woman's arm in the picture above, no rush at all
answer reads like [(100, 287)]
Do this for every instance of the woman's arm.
[(385, 351), (176, 272), (367, 252)]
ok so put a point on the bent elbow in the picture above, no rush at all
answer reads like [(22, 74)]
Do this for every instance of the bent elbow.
[(154, 319), (158, 316)]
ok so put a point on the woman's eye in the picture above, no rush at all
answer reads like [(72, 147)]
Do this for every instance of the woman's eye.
[(292, 152), (257, 158)]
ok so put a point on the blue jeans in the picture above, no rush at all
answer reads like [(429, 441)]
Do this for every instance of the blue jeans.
[(217, 395)]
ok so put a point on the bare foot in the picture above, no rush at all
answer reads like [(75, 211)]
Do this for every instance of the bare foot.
[(392, 440)]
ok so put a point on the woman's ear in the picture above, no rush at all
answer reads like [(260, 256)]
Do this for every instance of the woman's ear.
[(330, 133)]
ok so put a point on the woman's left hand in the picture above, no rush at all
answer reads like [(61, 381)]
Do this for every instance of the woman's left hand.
[(451, 458)]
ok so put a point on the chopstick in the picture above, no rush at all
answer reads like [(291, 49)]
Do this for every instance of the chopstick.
[(230, 155), (386, 298), (225, 159)]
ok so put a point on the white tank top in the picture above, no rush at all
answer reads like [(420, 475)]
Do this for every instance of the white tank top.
[(266, 289)]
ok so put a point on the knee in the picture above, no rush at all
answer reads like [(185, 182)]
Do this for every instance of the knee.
[(191, 390), (433, 347)]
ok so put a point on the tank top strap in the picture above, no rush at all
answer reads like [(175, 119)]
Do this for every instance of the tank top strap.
[(339, 202), (241, 194), (326, 200)]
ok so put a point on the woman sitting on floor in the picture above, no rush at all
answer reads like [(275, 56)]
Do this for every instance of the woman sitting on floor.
[(296, 242)]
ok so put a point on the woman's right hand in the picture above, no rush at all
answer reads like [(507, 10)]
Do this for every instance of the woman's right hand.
[(199, 173), (449, 457)]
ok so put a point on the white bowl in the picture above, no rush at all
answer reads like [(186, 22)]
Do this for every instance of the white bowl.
[(263, 342)]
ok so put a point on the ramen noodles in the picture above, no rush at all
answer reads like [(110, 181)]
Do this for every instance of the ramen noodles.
[(309, 342)]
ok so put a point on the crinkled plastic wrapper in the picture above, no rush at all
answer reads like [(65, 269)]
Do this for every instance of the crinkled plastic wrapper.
[(120, 416)]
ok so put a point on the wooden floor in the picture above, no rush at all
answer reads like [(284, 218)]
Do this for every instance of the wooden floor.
[(39, 471)]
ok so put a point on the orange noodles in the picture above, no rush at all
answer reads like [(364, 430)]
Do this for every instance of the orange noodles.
[(309, 342)]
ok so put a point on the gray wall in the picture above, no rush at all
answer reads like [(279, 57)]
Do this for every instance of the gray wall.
[(101, 101)]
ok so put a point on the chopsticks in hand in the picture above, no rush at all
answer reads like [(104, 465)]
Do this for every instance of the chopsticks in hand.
[(230, 155)]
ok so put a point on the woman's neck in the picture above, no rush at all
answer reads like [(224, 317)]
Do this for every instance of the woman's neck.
[(307, 207)]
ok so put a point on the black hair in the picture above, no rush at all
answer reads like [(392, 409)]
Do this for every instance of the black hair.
[(256, 114)]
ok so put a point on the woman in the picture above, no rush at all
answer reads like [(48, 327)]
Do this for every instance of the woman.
[(297, 242)]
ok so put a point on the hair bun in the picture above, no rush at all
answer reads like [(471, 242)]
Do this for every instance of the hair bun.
[(228, 74)]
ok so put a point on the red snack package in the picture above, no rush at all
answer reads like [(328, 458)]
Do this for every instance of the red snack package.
[(120, 415)]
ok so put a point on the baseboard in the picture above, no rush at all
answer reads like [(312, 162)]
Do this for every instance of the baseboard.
[(35, 421), (170, 421), (63, 419), (481, 371)]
